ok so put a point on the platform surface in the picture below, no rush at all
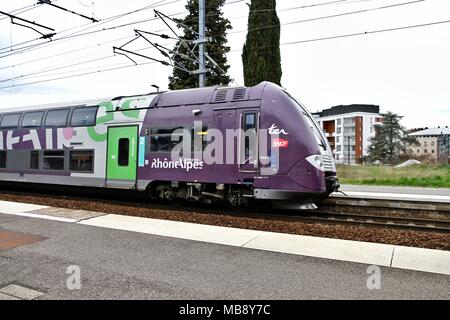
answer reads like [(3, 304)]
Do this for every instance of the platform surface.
[(438, 195), (131, 257), (121, 264)]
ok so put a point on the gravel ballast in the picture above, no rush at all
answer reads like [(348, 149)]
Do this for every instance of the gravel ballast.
[(227, 218)]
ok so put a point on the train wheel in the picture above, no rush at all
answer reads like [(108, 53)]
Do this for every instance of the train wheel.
[(165, 193)]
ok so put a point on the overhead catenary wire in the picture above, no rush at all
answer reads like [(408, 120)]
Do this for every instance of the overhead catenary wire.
[(106, 20), (329, 16), (51, 3), (40, 59), (282, 44), (28, 48), (292, 22), (78, 75), (24, 9)]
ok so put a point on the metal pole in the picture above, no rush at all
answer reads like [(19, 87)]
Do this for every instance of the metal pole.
[(201, 45)]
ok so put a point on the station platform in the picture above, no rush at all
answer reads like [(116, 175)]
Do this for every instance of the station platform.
[(122, 257), (433, 195)]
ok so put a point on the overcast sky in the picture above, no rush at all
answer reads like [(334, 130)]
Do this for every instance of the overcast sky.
[(405, 71)]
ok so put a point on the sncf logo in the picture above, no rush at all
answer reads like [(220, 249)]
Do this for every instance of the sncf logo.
[(280, 143)]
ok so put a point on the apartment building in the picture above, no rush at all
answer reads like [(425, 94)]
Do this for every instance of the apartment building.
[(348, 129), (434, 144)]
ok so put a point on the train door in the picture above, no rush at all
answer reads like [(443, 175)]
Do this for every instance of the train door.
[(122, 157), (248, 146), (225, 171)]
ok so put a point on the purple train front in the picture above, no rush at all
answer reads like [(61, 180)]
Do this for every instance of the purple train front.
[(208, 144)]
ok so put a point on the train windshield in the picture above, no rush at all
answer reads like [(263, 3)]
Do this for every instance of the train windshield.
[(321, 141)]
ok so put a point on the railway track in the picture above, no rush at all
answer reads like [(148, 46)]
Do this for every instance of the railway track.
[(379, 221), (323, 216)]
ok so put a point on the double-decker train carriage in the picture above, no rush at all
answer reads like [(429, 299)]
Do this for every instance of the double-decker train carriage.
[(129, 142)]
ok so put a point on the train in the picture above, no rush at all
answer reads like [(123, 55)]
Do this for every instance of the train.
[(232, 144)]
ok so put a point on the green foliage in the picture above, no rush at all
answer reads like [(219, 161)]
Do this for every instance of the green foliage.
[(423, 175), (261, 53), (216, 27), (390, 141)]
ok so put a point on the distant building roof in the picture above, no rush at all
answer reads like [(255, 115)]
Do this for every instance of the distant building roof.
[(431, 132), (343, 109)]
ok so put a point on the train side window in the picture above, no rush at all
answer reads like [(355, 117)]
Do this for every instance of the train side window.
[(32, 119), (165, 139), (249, 121), (34, 160), (57, 118), (124, 152), (10, 121), (84, 117), (82, 161), (2, 159), (250, 144), (53, 160)]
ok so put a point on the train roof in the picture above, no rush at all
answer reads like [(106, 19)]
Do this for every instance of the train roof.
[(196, 96), (210, 95)]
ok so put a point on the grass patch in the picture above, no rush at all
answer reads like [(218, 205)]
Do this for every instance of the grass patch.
[(421, 175)]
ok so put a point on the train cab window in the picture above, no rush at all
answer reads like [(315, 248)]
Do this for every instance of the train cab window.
[(53, 160), (124, 152), (81, 161), (250, 137), (34, 160), (32, 119), (57, 118), (2, 159), (165, 139), (84, 117), (10, 121)]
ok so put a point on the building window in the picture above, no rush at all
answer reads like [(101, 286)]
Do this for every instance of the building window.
[(32, 119), (425, 144), (432, 150), (124, 152), (53, 160), (82, 161), (338, 122), (57, 118), (84, 117), (34, 160), (338, 148), (2, 159), (10, 121), (418, 150), (432, 143), (425, 150), (338, 131)]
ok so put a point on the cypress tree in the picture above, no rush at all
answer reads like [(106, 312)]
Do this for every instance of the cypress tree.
[(216, 27), (261, 53)]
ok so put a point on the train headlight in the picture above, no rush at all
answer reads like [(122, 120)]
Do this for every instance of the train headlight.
[(316, 161)]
